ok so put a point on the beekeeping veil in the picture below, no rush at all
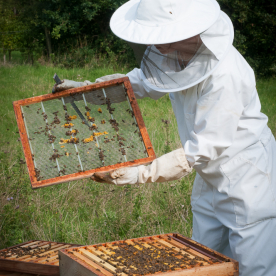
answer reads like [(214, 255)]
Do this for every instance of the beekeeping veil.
[(179, 42)]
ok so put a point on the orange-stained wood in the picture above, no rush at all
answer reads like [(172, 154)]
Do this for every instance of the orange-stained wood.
[(73, 91), (86, 174), (139, 119), (24, 141), (224, 269)]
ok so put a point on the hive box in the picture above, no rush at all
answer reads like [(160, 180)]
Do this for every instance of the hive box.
[(167, 255), (36, 257)]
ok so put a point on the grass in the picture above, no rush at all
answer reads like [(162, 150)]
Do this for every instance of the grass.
[(83, 211)]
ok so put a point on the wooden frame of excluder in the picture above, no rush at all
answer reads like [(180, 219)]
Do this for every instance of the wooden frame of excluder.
[(88, 173), (99, 259)]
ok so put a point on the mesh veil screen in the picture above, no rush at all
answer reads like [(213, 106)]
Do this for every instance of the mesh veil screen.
[(177, 65), (82, 132)]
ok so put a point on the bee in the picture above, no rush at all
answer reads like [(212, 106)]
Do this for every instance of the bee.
[(101, 155)]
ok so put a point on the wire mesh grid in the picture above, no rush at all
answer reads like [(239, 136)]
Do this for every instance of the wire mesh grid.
[(82, 132)]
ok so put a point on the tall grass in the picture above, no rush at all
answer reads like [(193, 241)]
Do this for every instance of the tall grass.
[(83, 211)]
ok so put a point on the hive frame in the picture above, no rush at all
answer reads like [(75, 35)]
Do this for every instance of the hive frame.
[(15, 265), (71, 262), (80, 175)]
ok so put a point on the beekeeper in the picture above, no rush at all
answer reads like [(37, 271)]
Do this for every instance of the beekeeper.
[(225, 138)]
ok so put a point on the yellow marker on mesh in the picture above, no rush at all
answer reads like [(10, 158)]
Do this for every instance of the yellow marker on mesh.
[(68, 125), (72, 117), (66, 141), (95, 134)]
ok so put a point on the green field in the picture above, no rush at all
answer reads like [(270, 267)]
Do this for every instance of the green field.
[(83, 211)]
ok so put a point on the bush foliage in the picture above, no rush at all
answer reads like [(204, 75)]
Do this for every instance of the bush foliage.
[(255, 28), (76, 30)]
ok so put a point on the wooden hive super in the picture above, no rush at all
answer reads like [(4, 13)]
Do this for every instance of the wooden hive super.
[(72, 134), (36, 257), (167, 255)]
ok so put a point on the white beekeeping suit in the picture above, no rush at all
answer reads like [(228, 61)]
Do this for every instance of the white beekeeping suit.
[(225, 137)]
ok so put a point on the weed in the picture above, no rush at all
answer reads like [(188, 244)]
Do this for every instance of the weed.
[(167, 130)]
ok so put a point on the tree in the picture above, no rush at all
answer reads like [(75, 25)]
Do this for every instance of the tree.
[(11, 31), (59, 25), (255, 28)]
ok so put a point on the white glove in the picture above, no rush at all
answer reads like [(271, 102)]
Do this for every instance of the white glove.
[(110, 77), (68, 84), (168, 167)]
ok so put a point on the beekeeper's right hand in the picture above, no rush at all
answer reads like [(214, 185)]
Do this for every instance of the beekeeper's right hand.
[(168, 167), (68, 84)]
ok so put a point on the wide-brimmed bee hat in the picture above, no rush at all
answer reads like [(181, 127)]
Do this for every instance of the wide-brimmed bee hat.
[(183, 40)]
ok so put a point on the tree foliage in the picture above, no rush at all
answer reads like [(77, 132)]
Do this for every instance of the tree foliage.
[(11, 30), (255, 28), (60, 26)]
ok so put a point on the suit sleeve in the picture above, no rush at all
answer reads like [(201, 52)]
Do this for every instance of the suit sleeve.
[(218, 112), (138, 88)]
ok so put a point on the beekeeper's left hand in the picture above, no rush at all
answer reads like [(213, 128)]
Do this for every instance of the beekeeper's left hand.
[(110, 77), (168, 167), (68, 84)]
